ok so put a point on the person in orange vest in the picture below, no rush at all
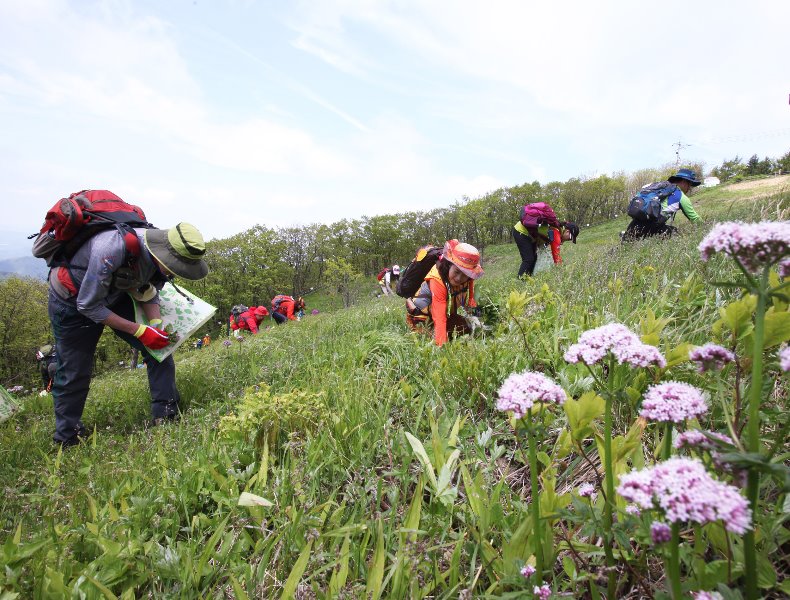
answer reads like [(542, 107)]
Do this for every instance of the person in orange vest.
[(284, 308), (448, 286), (249, 320)]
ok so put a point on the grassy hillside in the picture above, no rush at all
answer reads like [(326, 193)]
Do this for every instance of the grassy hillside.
[(313, 417)]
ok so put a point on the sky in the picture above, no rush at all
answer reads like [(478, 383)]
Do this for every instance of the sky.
[(232, 113)]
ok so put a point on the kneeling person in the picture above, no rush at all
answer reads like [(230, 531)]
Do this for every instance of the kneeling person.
[(448, 286)]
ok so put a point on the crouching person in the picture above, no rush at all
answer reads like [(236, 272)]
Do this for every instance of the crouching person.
[(96, 289), (448, 286)]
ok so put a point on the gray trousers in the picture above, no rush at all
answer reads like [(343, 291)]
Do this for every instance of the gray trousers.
[(76, 338)]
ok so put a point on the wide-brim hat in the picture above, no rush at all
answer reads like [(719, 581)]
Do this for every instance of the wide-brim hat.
[(687, 175), (180, 249), (464, 256)]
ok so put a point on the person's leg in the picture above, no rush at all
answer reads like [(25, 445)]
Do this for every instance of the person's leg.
[(75, 339), (161, 375), (279, 318), (528, 251)]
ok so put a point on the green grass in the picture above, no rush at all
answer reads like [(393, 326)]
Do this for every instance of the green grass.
[(152, 512)]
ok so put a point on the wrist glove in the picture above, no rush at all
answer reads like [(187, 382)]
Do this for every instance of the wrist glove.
[(151, 337)]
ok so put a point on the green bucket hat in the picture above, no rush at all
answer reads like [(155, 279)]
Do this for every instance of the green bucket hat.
[(180, 249)]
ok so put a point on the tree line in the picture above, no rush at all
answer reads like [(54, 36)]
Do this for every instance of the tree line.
[(254, 265)]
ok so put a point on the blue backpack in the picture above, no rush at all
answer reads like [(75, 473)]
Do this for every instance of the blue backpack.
[(646, 205)]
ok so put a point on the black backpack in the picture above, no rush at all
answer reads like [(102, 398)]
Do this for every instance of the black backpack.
[(645, 207), (411, 277), (236, 312)]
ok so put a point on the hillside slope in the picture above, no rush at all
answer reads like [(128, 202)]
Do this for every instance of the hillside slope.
[(322, 435)]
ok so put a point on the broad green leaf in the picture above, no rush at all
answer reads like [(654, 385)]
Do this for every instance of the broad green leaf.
[(514, 550), (422, 456), (247, 499), (679, 354), (582, 412), (238, 591), (296, 572), (102, 588), (339, 576), (376, 570), (736, 317), (777, 328)]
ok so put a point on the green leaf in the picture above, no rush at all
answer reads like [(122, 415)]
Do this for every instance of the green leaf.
[(376, 570), (737, 316), (247, 499), (515, 549), (238, 591), (422, 456), (296, 572), (582, 412), (339, 577), (777, 328)]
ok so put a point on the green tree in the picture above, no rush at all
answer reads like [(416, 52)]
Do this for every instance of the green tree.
[(24, 327)]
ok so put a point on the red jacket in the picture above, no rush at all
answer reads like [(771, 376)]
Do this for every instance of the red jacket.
[(556, 242), (287, 307), (248, 321)]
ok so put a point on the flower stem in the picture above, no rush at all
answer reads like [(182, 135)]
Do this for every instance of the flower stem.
[(674, 563), (609, 500), (753, 436), (535, 501), (668, 442)]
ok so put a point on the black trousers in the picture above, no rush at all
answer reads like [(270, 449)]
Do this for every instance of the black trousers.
[(638, 230), (528, 249), (279, 318), (76, 338)]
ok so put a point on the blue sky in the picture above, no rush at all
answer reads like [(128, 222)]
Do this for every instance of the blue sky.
[(230, 113)]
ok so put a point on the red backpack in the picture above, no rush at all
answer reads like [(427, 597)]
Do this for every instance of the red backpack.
[(74, 220), (538, 213), (279, 299), (382, 273)]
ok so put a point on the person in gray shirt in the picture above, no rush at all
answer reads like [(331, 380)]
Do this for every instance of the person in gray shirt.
[(96, 289)]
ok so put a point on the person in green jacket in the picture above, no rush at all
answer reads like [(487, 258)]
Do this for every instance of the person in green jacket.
[(684, 179)]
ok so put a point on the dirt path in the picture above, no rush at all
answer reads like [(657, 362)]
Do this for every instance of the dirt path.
[(762, 184)]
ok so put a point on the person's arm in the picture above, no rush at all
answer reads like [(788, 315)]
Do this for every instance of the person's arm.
[(252, 324), (438, 309), (556, 242), (289, 310), (688, 209)]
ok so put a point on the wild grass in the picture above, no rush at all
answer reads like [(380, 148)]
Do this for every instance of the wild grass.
[(142, 511)]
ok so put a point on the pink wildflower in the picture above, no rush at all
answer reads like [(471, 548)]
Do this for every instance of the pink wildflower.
[(784, 359), (543, 592), (695, 437), (707, 595), (711, 357), (528, 571), (227, 343), (672, 401), (520, 391), (754, 245), (660, 532), (633, 509), (624, 345), (586, 490), (684, 491)]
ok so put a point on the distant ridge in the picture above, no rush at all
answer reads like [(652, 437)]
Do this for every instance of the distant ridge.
[(24, 266)]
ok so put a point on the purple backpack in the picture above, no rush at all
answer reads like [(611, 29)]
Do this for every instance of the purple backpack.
[(538, 213)]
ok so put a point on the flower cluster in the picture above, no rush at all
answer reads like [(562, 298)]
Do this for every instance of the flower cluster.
[(784, 359), (520, 391), (528, 571), (586, 490), (711, 357), (543, 592), (707, 596), (754, 245), (672, 401), (696, 438), (623, 343), (660, 532), (227, 343), (684, 491)]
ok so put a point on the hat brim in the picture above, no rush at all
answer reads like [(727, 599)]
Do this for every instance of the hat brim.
[(475, 273), (692, 182), (156, 243)]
